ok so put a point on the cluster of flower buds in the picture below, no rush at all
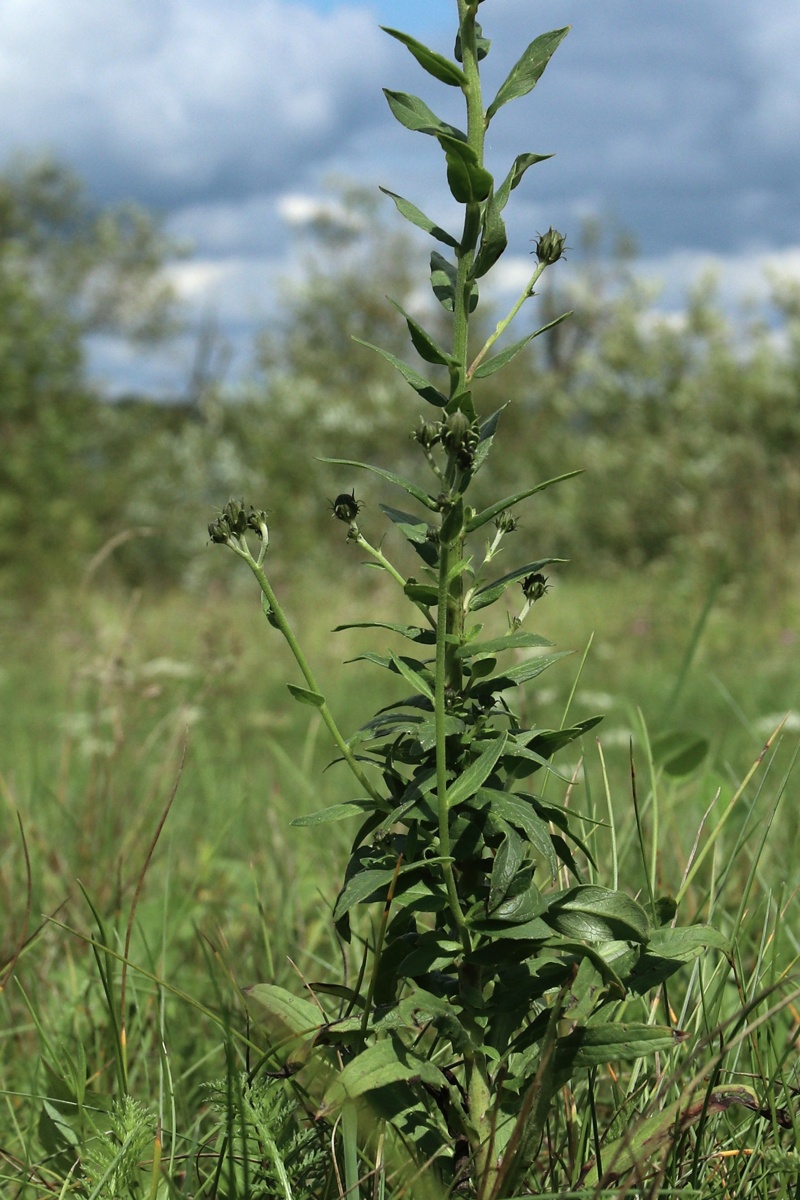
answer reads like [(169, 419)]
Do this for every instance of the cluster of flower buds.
[(456, 433), (549, 246), (235, 520)]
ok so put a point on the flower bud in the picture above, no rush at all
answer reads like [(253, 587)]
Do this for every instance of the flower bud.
[(345, 507), (534, 586), (236, 517), (427, 433), (550, 246), (505, 523)]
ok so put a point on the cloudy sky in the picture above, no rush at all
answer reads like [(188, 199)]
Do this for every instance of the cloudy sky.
[(680, 119)]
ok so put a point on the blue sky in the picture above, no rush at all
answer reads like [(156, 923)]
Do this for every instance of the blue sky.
[(679, 119)]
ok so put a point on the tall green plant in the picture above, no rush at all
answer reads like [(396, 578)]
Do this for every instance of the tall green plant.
[(492, 974)]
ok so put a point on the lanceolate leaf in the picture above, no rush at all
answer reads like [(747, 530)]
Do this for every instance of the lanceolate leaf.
[(518, 812), (595, 1045), (414, 633), (493, 238), (490, 365), (415, 678), (337, 812), (424, 344), (528, 70), (304, 696), (300, 1017), (385, 1062), (418, 382), (435, 64), (476, 773), (512, 179), (406, 484), (472, 651), (418, 218), (415, 115), (494, 510)]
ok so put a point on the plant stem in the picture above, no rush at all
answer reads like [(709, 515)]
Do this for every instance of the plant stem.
[(286, 629), (503, 325), (382, 561), (440, 711)]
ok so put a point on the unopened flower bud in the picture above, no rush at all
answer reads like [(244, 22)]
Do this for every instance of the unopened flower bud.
[(345, 507), (427, 434), (534, 586), (550, 246), (236, 517), (505, 523)]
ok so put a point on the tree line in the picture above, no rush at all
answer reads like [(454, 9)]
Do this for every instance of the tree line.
[(687, 425)]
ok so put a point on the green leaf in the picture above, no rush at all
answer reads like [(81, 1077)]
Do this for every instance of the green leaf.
[(493, 591), (424, 344), (469, 182), (385, 1062), (643, 1138), (443, 282), (597, 914), (473, 651), (527, 72), (414, 114), (596, 1045), (298, 1016), (418, 218), (476, 773), (364, 886), (494, 510), (679, 751), (305, 696), (419, 383), (669, 949), (490, 365), (518, 813), (414, 633), (415, 678), (337, 812), (405, 484), (494, 238), (507, 861), (422, 593), (512, 179), (435, 64)]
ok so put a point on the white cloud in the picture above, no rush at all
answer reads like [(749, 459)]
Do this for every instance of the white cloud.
[(179, 99)]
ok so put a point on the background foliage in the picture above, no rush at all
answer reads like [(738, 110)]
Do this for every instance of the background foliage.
[(688, 424)]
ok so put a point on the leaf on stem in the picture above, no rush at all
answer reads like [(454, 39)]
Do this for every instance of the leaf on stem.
[(405, 484), (415, 115), (444, 275), (490, 365), (418, 382), (306, 696), (528, 70), (476, 774), (435, 64), (494, 510), (424, 344), (417, 217)]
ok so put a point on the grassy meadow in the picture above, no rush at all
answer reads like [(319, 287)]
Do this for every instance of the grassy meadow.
[(114, 702)]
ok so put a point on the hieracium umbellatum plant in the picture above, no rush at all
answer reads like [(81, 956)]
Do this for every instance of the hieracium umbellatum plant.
[(490, 974)]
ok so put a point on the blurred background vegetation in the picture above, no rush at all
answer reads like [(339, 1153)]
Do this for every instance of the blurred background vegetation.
[(687, 425)]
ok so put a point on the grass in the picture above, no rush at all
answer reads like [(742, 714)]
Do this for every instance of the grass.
[(103, 701)]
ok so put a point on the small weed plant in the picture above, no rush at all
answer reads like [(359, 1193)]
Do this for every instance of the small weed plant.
[(489, 972)]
